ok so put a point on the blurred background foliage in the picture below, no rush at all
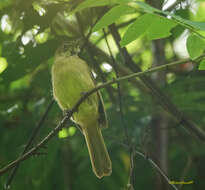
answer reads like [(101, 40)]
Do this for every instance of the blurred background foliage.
[(30, 32)]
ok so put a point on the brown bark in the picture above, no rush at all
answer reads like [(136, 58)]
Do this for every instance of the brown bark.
[(160, 120)]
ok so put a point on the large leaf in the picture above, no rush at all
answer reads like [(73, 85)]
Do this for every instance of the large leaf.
[(98, 3), (153, 26), (195, 46), (147, 8), (184, 22), (160, 27), (136, 29), (112, 15)]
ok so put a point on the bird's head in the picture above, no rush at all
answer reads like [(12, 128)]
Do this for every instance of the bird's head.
[(69, 48)]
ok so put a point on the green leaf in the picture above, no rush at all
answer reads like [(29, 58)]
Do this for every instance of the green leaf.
[(195, 46), (139, 27), (153, 26), (112, 15), (187, 23), (184, 22), (97, 3), (19, 66), (202, 65), (63, 133), (196, 25), (160, 28), (147, 8), (3, 64)]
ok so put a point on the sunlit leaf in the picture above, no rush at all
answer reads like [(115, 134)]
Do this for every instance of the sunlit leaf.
[(63, 133), (136, 29), (71, 131), (184, 22), (94, 3), (3, 64), (202, 65), (160, 28), (112, 15), (146, 7), (195, 46), (148, 24), (42, 37)]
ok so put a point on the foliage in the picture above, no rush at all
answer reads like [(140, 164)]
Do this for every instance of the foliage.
[(31, 31)]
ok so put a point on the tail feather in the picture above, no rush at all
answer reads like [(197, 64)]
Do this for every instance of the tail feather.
[(99, 156)]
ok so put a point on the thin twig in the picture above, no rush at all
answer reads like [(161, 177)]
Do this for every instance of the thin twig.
[(33, 135), (127, 138), (198, 132), (155, 91), (119, 26), (119, 89), (34, 149), (150, 161), (86, 40), (157, 168)]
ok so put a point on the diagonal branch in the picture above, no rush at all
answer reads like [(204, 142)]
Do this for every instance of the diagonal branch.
[(135, 152), (197, 131), (155, 91), (157, 168), (28, 145)]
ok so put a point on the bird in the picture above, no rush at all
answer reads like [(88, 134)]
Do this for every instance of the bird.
[(71, 78)]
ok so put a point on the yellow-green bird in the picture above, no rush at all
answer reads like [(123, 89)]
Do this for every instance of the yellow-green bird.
[(71, 77)]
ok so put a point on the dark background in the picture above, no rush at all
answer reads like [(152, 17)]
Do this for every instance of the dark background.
[(26, 91)]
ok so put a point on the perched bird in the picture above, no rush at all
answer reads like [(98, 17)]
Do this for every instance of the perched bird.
[(71, 77)]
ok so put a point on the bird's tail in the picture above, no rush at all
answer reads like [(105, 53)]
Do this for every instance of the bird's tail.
[(99, 156)]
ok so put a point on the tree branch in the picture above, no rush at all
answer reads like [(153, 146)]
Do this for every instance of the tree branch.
[(157, 168), (155, 91), (34, 134), (198, 132)]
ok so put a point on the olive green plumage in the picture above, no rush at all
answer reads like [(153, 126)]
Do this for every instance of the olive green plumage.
[(71, 77)]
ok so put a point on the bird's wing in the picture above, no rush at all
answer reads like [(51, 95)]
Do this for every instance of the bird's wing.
[(102, 114), (103, 123)]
